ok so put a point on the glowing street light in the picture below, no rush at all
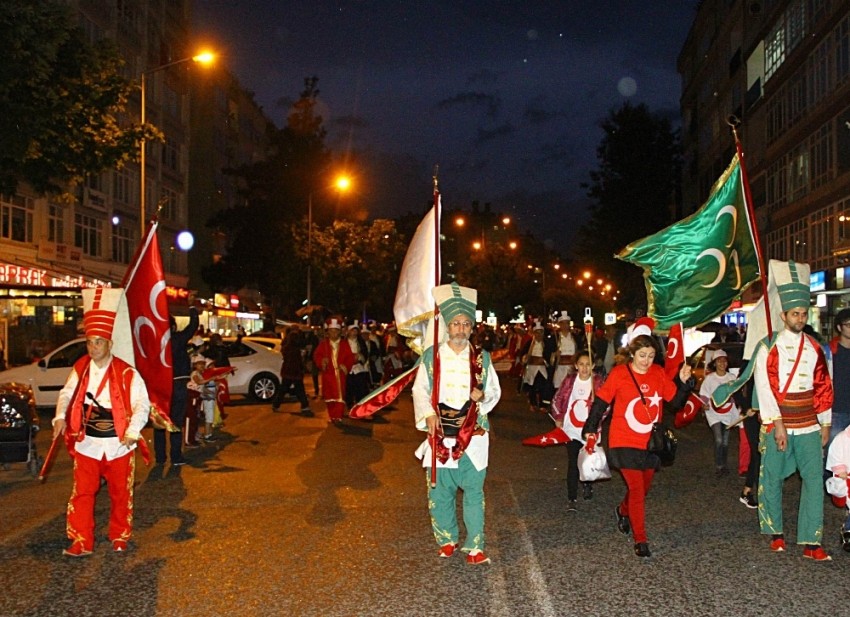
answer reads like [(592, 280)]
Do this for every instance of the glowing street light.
[(342, 184), (203, 58)]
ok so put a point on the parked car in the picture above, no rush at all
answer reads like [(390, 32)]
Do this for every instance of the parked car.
[(47, 376), (702, 356), (257, 371)]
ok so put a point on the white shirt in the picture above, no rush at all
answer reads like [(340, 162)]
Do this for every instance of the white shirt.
[(578, 408), (787, 346), (728, 413), (110, 447), (454, 392)]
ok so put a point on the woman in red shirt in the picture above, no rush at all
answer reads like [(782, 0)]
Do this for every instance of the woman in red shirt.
[(637, 390)]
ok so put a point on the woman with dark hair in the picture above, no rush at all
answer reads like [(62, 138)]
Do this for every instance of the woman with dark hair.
[(637, 390)]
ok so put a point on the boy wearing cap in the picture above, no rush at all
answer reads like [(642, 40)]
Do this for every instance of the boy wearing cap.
[(101, 410), (468, 390), (794, 399)]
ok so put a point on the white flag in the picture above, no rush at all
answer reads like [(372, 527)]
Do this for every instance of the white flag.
[(414, 304)]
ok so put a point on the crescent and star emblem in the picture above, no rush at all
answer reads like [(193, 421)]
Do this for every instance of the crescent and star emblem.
[(578, 413), (638, 426), (673, 348), (718, 255), (143, 321)]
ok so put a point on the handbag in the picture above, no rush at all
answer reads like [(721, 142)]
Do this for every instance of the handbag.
[(593, 467), (662, 442)]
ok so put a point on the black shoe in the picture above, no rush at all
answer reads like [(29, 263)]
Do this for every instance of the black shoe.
[(623, 524), (587, 490), (749, 500), (571, 506), (307, 412), (845, 539), (642, 550)]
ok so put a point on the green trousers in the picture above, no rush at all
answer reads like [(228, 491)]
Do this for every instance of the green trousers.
[(442, 504), (804, 453)]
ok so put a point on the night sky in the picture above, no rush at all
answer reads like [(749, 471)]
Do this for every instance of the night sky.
[(505, 96)]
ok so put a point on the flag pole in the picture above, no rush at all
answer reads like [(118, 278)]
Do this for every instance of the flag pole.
[(435, 389), (734, 122), (128, 278)]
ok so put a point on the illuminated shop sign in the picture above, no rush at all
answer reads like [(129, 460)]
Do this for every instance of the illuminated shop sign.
[(36, 277)]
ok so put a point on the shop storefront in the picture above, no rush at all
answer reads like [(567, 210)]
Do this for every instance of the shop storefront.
[(40, 309)]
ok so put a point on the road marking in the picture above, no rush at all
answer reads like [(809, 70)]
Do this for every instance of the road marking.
[(541, 600)]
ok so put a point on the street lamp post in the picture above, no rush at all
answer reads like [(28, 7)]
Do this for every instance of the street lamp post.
[(342, 184), (309, 249), (202, 58)]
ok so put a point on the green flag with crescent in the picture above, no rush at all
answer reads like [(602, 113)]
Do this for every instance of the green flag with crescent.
[(695, 268)]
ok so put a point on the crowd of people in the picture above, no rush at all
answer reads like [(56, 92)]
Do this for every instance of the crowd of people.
[(600, 387)]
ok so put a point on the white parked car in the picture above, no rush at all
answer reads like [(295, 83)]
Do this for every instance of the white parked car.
[(47, 376), (257, 371)]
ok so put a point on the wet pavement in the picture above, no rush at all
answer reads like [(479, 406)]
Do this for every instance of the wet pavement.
[(285, 515)]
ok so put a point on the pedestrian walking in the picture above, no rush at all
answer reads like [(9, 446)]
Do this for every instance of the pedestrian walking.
[(468, 391), (636, 390), (101, 410)]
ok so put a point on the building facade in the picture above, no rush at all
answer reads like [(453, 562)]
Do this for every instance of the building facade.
[(781, 67)]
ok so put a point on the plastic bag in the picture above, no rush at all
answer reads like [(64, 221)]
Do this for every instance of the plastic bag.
[(592, 467)]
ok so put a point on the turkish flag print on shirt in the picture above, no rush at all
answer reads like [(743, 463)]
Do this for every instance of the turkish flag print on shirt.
[(148, 309)]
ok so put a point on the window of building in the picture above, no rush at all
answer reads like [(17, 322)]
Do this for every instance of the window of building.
[(88, 235), (171, 155), (171, 102), (170, 204), (822, 159), (798, 173), (841, 50), (55, 224), (122, 186), (16, 218), (122, 243)]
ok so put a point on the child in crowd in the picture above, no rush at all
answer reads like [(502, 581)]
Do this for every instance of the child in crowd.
[(206, 390), (719, 418)]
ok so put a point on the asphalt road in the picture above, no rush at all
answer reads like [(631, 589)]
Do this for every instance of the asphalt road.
[(289, 516)]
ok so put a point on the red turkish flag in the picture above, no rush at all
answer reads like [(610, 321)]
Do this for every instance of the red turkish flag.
[(675, 351), (689, 412), (144, 286)]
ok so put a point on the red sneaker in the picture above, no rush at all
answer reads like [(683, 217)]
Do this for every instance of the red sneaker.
[(119, 546), (477, 558), (447, 550), (817, 554), (77, 550), (778, 545)]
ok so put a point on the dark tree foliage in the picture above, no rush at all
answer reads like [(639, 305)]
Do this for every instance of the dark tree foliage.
[(633, 191), (59, 101), (277, 191)]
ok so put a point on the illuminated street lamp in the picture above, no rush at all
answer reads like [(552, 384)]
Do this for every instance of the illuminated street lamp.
[(202, 58), (342, 184)]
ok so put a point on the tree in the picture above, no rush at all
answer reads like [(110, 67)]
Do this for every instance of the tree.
[(357, 265), (60, 99), (277, 191), (633, 190)]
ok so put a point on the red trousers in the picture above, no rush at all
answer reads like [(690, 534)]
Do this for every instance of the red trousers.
[(120, 474), (633, 504), (335, 409)]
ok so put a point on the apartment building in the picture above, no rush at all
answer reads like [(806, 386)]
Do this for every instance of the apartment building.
[(782, 67)]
